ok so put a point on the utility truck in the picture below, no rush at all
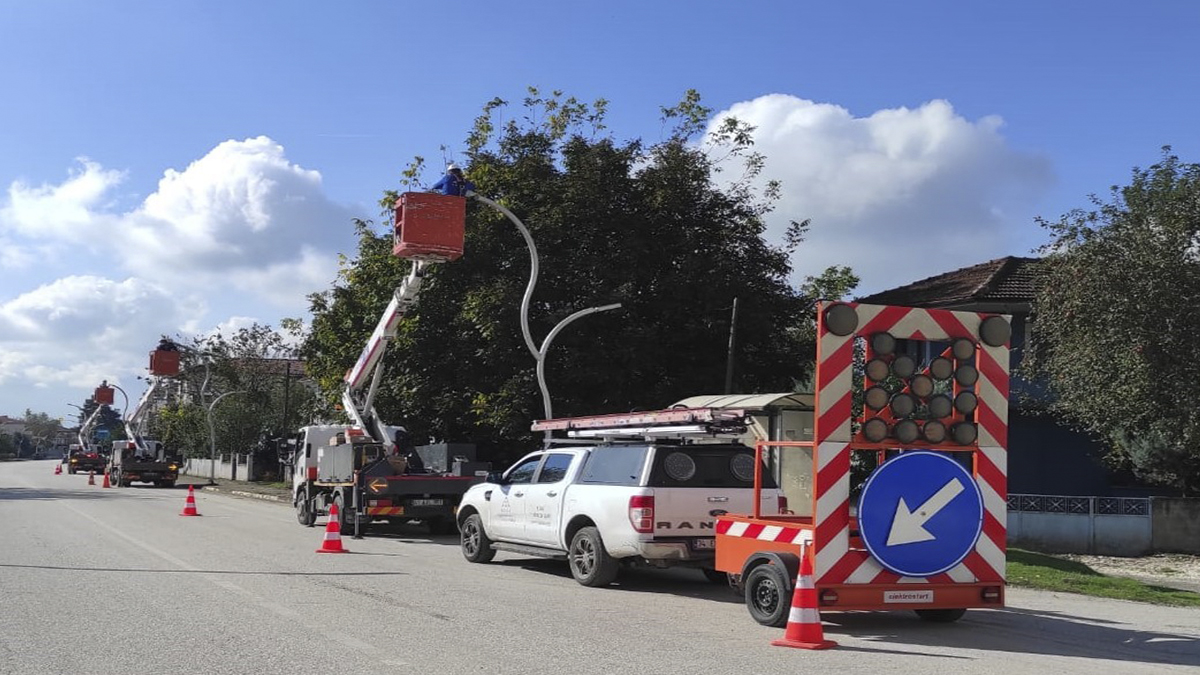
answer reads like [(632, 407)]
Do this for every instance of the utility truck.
[(367, 467), (620, 490), (138, 458), (82, 456)]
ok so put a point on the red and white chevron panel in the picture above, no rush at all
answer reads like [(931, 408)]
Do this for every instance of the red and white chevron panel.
[(760, 532), (835, 562)]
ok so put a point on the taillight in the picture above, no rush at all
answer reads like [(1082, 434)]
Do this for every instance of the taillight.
[(991, 594), (781, 501), (829, 597), (641, 513)]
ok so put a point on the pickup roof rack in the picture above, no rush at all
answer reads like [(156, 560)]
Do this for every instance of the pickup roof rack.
[(671, 423)]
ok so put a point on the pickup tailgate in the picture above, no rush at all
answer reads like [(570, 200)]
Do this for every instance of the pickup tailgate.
[(690, 512)]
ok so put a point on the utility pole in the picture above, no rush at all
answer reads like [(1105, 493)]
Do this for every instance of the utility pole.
[(732, 344)]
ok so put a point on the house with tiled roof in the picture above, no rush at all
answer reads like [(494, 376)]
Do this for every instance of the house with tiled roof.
[(1045, 456)]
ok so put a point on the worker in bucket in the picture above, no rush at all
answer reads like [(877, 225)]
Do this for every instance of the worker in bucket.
[(454, 183)]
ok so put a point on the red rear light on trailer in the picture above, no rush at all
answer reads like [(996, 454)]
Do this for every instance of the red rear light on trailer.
[(829, 597), (641, 513), (991, 594)]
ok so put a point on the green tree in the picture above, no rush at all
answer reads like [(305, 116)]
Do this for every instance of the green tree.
[(652, 227), (1116, 317), (257, 363)]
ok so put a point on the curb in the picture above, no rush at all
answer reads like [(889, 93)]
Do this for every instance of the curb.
[(244, 493)]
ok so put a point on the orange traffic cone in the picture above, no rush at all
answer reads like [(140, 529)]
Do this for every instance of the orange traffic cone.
[(105, 482), (804, 623), (333, 534), (58, 469), (92, 477), (189, 508)]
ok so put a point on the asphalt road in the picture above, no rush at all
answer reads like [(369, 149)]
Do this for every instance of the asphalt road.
[(115, 581)]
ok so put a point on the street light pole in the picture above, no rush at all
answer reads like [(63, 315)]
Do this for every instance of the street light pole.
[(212, 438), (539, 355)]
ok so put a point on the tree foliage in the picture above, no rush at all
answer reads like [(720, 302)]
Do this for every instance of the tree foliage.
[(651, 227), (1116, 318), (255, 367)]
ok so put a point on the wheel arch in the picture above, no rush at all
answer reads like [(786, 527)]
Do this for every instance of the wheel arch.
[(790, 563), (576, 524)]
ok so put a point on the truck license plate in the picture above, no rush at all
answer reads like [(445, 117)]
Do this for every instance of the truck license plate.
[(427, 502), (704, 544)]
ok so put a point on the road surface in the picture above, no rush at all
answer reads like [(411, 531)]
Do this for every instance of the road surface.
[(98, 580)]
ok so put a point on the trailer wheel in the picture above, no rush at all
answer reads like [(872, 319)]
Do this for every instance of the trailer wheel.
[(766, 595), (476, 546), (591, 565), (941, 615), (304, 510), (115, 479)]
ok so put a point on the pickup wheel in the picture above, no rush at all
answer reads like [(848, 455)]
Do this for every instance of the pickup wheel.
[(766, 595), (591, 565), (940, 615), (476, 546), (304, 510)]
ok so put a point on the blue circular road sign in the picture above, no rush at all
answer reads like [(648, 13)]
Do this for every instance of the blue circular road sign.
[(920, 513)]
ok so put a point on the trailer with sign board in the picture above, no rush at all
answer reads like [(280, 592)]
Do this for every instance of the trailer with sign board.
[(925, 412)]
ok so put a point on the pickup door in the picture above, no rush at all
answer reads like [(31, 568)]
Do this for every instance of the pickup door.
[(544, 499), (527, 506)]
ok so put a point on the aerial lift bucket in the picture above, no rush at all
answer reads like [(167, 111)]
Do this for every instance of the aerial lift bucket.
[(103, 395), (163, 362), (429, 226)]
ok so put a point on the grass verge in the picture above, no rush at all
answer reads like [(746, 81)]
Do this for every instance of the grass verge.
[(1048, 573)]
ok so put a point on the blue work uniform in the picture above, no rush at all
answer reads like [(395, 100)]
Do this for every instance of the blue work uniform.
[(452, 184)]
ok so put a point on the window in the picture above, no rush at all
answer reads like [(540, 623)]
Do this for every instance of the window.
[(523, 472), (615, 465), (706, 466), (555, 468)]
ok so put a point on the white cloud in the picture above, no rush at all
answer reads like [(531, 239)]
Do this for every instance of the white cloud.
[(238, 236), (80, 330), (899, 195)]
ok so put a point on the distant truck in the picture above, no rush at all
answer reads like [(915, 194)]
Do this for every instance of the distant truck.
[(340, 464), (81, 458), (148, 464)]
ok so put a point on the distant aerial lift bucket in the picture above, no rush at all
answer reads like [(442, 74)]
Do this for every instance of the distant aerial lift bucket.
[(429, 226), (103, 395)]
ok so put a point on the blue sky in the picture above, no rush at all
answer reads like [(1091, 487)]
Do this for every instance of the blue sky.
[(173, 167)]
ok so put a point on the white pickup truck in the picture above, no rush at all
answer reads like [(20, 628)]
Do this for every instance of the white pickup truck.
[(604, 505)]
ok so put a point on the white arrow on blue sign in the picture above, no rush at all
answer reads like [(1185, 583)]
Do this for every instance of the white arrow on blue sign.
[(920, 513)]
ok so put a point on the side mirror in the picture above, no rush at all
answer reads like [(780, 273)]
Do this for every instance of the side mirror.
[(495, 477)]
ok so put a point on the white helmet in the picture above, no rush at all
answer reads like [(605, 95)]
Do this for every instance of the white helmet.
[(452, 167)]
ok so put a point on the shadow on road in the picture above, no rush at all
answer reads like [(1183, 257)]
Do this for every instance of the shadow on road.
[(683, 582), (16, 493), (136, 570), (1025, 631)]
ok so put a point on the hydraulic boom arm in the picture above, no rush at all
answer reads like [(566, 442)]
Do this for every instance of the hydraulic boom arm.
[(367, 371), (135, 421)]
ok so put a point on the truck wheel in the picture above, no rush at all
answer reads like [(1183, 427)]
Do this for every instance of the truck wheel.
[(766, 596), (345, 520), (591, 565), (115, 480), (476, 546), (304, 510), (941, 615)]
